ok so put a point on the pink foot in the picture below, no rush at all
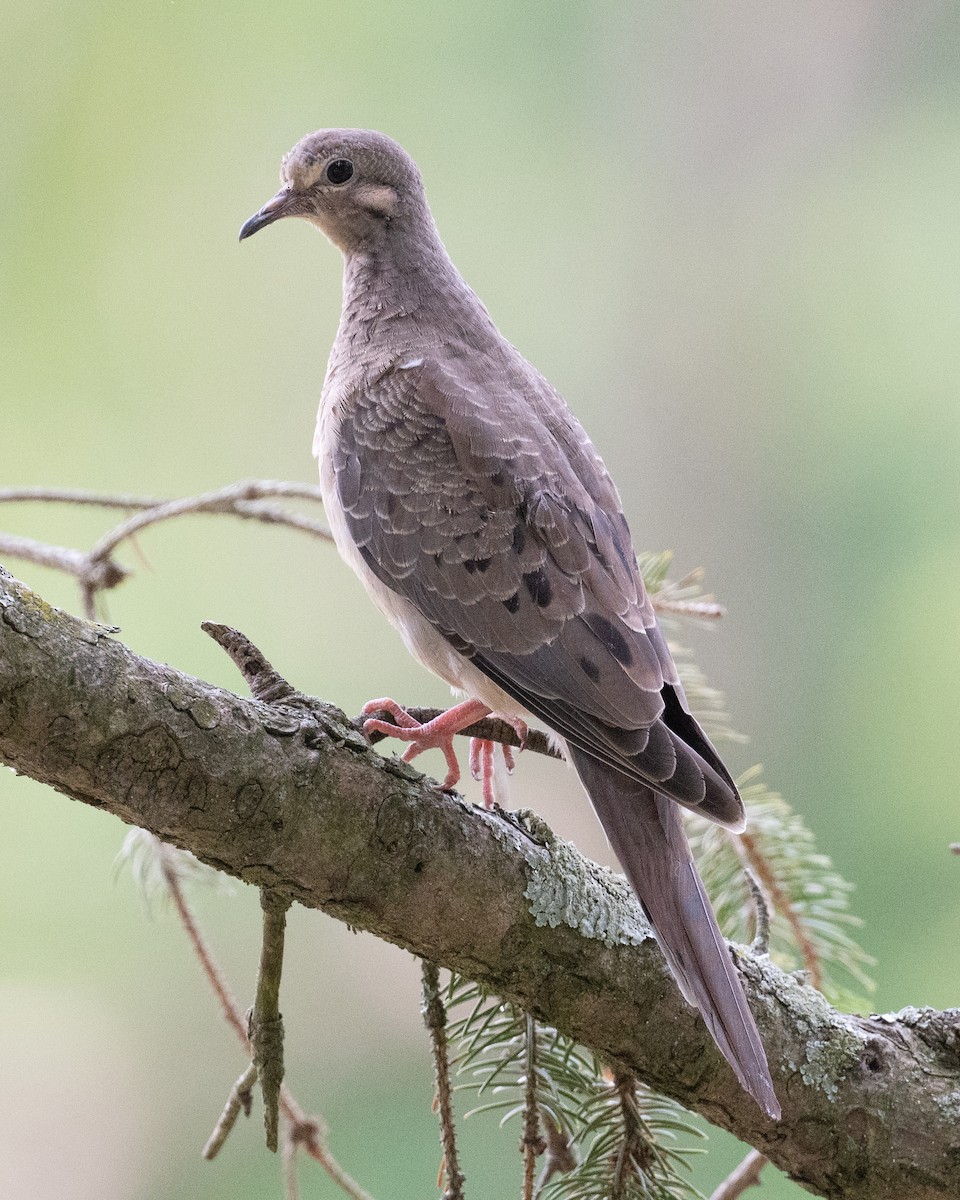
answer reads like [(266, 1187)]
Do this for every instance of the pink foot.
[(437, 734), (481, 758)]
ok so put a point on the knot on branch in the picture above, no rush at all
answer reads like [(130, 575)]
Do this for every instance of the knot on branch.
[(309, 1132), (101, 574)]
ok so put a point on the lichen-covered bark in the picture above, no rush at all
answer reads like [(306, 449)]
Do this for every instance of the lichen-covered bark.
[(293, 796)]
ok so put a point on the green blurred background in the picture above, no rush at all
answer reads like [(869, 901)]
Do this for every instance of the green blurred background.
[(729, 234)]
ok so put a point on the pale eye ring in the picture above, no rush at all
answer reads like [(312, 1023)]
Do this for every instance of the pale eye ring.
[(340, 170)]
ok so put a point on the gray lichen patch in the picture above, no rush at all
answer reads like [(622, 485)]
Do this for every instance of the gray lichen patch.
[(202, 709), (833, 1045), (22, 620), (204, 714), (564, 888), (915, 1018), (179, 696), (24, 610)]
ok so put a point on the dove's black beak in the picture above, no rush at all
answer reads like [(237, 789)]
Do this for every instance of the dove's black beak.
[(283, 204)]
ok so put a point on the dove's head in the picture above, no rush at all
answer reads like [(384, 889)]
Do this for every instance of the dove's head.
[(353, 184)]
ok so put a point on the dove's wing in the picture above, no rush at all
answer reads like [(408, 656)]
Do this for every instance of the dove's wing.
[(494, 516)]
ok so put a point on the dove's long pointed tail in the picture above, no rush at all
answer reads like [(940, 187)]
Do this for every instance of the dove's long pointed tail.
[(647, 837)]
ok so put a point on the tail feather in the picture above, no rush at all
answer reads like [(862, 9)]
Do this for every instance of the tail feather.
[(647, 837)]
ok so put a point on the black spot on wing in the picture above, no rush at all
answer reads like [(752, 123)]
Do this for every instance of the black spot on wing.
[(623, 543), (611, 637), (538, 585), (512, 603), (590, 669)]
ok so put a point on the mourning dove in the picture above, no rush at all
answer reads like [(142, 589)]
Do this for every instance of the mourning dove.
[(473, 506)]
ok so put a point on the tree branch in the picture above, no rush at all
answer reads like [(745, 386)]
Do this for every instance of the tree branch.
[(290, 796)]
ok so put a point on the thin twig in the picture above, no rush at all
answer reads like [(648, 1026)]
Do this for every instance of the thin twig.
[(435, 1019), (62, 558), (746, 1175), (532, 1142), (234, 499), (228, 1005), (76, 496), (96, 570), (239, 1098), (305, 1131), (266, 1023), (761, 936), (263, 679), (263, 487), (290, 1168), (749, 853)]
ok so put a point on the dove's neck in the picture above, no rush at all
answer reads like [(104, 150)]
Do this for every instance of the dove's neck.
[(405, 291)]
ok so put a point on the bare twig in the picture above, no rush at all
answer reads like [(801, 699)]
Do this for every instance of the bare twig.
[(290, 1168), (96, 570), (305, 1131), (266, 1023), (228, 1005), (263, 679), (435, 1019), (252, 489), (84, 496), (62, 558), (750, 854), (761, 936), (532, 1142), (240, 1098), (234, 499), (746, 1175)]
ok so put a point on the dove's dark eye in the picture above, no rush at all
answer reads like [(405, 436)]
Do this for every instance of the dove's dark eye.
[(340, 170)]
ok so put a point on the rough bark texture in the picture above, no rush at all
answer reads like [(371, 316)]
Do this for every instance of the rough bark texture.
[(292, 796)]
